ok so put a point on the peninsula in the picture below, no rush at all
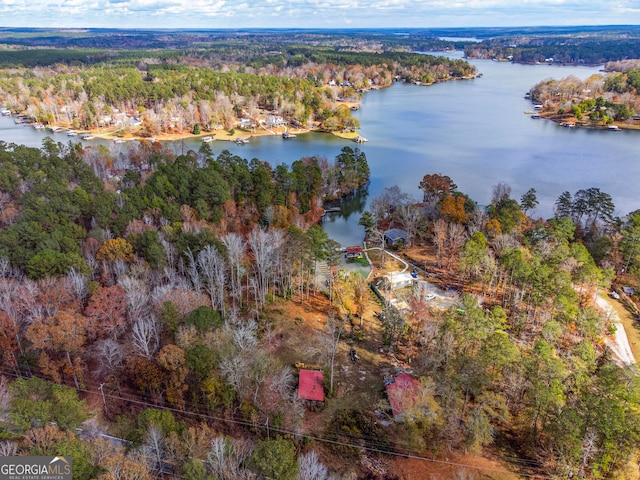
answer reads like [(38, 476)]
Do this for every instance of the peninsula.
[(228, 90)]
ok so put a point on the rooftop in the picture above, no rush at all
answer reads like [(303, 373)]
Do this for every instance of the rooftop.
[(311, 385), (394, 234), (402, 393)]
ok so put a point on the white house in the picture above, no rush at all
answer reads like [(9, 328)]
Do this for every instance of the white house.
[(274, 121), (396, 280)]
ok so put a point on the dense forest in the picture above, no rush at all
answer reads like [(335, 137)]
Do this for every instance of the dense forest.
[(150, 282), (156, 309), (520, 360)]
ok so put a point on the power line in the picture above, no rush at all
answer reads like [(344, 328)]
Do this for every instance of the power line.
[(301, 435)]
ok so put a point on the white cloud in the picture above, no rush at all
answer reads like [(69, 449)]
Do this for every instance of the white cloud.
[(310, 13)]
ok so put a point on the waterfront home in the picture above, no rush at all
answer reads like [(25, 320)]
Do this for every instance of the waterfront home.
[(246, 123), (353, 252), (396, 280), (274, 121), (395, 237)]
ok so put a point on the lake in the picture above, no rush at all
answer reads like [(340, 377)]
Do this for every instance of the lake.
[(474, 131)]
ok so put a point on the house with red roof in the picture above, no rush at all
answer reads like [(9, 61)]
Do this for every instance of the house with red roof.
[(311, 385), (403, 393), (353, 252)]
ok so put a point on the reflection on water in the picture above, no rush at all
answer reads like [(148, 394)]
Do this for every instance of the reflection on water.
[(343, 226), (474, 131), (349, 204)]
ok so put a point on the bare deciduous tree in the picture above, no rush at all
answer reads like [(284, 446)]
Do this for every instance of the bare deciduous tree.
[(153, 447), (264, 246), (310, 467), (138, 298), (145, 335), (213, 267), (110, 355), (456, 237), (409, 217), (8, 448), (439, 237), (330, 340), (77, 285), (227, 457), (192, 271), (235, 255)]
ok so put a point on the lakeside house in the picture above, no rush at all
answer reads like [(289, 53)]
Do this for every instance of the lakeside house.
[(246, 123), (396, 280), (395, 237), (274, 121)]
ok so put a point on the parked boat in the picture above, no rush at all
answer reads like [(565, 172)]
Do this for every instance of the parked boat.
[(207, 139), (55, 128), (288, 135), (241, 141), (360, 139), (87, 136), (72, 133), (613, 128), (5, 112), (119, 140), (568, 124), (38, 126), (536, 115)]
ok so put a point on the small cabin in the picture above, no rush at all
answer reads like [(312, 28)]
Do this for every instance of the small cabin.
[(353, 252), (311, 385), (403, 392)]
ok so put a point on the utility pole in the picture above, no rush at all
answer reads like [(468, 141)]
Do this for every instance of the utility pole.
[(104, 401)]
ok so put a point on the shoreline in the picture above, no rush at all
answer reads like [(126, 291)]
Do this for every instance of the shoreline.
[(565, 120), (216, 135)]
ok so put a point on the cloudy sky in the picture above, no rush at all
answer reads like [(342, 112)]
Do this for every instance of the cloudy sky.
[(314, 13)]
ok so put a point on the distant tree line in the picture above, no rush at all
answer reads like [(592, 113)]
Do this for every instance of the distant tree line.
[(564, 50)]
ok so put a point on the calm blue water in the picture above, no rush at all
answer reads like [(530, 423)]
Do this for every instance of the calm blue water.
[(475, 131)]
